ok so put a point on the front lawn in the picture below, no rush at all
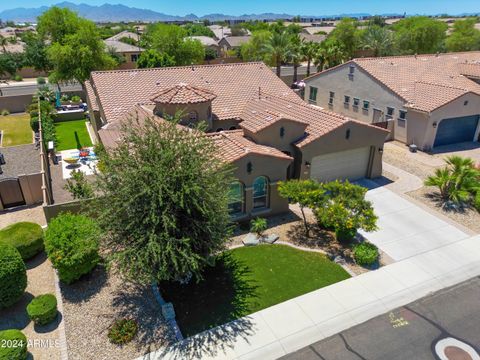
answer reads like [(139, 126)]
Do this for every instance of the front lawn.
[(72, 135), (246, 280), (16, 130)]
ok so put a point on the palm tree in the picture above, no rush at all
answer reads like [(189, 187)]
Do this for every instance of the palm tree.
[(309, 50), (378, 39), (279, 48), (295, 56)]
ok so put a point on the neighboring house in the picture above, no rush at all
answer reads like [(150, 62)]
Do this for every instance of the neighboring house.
[(428, 100), (207, 42), (233, 42), (220, 31), (8, 31), (17, 48), (260, 125), (125, 34), (130, 53), (313, 30), (313, 38)]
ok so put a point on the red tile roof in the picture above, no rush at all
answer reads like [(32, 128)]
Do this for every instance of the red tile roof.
[(183, 94), (234, 84), (426, 82)]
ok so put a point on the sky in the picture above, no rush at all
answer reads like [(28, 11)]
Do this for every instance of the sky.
[(302, 7)]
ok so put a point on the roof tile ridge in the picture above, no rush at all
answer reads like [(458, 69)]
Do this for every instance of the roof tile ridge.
[(448, 86)]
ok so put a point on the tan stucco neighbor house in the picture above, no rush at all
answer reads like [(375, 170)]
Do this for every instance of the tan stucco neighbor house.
[(426, 100), (259, 124), (129, 52)]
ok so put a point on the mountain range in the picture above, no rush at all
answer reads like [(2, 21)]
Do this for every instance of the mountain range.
[(118, 13)]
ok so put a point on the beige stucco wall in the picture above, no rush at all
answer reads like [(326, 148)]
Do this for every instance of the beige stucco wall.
[(275, 169), (31, 188), (270, 136), (361, 86), (335, 141), (420, 125)]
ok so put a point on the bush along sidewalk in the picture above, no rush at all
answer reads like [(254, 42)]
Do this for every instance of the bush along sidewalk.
[(42, 310), (72, 243), (13, 345), (365, 254), (26, 237), (13, 276)]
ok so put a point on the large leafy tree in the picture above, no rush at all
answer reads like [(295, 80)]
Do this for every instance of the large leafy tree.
[(379, 40), (56, 23), (309, 50), (198, 30), (163, 201), (464, 37), (254, 49), (420, 35), (347, 36), (152, 58), (36, 53)]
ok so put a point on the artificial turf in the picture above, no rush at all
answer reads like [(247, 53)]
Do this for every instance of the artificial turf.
[(246, 280), (71, 135)]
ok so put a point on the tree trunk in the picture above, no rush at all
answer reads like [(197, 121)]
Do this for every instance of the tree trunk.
[(279, 67), (308, 66), (307, 229), (295, 73)]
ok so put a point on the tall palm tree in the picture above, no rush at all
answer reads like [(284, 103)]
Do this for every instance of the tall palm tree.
[(309, 50), (378, 39), (279, 48)]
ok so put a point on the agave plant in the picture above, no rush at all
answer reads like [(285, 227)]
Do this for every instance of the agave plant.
[(458, 181)]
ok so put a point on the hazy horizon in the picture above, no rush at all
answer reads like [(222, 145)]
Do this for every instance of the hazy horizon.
[(299, 7)]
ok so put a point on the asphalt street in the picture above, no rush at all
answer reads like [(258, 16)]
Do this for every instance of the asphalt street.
[(412, 332), (30, 88)]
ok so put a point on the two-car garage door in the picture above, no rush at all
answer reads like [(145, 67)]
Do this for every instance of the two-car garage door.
[(350, 164), (456, 130)]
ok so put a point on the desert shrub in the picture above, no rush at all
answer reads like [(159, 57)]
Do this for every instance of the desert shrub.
[(26, 237), (5, 112), (13, 275), (64, 97), (122, 331), (71, 243), (42, 310), (13, 345), (365, 253), (258, 226), (476, 201), (76, 99), (41, 80)]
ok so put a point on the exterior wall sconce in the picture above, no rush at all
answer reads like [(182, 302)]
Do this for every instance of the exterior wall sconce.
[(434, 124), (380, 150), (249, 168), (282, 132), (307, 164)]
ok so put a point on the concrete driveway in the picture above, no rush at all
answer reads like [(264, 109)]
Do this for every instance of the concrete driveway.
[(405, 229)]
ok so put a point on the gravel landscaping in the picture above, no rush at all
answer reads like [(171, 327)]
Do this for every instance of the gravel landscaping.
[(95, 301), (468, 217)]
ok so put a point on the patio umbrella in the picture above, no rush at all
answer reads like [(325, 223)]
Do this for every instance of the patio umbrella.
[(58, 103)]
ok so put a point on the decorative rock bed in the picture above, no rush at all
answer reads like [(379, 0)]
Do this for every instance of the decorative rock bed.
[(252, 239)]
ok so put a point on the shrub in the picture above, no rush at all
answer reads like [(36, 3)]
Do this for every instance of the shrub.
[(76, 99), (122, 331), (26, 237), (365, 253), (5, 112), (258, 226), (71, 243), (13, 275), (42, 310), (17, 77), (476, 201), (13, 345), (65, 97), (41, 80)]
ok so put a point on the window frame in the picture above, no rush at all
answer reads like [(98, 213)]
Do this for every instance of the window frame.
[(366, 102), (392, 112), (313, 90), (240, 201), (346, 100), (265, 195), (356, 102), (402, 115)]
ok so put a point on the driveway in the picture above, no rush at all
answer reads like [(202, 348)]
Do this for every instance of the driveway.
[(410, 332), (405, 229), (468, 149)]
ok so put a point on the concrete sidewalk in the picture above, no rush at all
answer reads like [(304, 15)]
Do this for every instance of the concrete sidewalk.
[(291, 325)]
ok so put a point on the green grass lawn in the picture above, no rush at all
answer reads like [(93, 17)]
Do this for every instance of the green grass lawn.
[(71, 135), (246, 280), (16, 130)]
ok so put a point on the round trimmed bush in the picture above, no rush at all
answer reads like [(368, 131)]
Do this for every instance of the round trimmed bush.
[(122, 331), (13, 276), (42, 310), (71, 243), (365, 253), (26, 237), (13, 345)]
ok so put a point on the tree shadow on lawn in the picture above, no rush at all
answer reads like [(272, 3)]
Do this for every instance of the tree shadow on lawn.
[(218, 302)]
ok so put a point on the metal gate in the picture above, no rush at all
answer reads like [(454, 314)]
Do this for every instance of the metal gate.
[(11, 193)]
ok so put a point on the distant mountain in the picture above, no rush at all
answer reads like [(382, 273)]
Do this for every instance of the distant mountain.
[(117, 13)]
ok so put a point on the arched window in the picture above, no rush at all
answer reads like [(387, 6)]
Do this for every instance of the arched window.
[(192, 116), (260, 192), (236, 202)]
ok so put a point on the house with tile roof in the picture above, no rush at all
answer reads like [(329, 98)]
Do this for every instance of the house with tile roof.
[(426, 100), (259, 124), (129, 52)]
